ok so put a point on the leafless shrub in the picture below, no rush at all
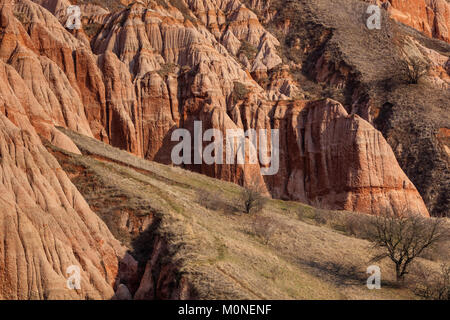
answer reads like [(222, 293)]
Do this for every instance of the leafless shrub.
[(263, 227), (211, 200), (304, 212), (321, 216), (359, 225), (352, 225), (439, 253), (412, 69), (204, 199), (251, 198), (433, 286), (402, 237)]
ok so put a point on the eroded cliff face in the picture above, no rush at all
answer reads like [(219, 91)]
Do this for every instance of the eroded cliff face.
[(46, 226), (432, 17), (157, 68), (366, 78), (336, 160)]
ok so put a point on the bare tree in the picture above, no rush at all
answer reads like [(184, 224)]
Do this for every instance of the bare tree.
[(251, 197), (403, 237), (412, 69)]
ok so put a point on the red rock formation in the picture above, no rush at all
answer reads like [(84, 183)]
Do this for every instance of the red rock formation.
[(334, 160), (429, 16), (149, 72), (157, 70), (46, 226)]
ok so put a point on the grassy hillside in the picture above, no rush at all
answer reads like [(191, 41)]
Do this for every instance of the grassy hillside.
[(285, 252)]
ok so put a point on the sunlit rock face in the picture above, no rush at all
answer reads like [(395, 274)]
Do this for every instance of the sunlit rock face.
[(431, 17), (151, 70)]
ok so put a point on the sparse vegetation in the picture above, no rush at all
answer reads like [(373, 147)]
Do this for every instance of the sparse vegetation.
[(403, 237), (359, 225), (92, 29), (167, 69), (321, 216), (248, 50), (240, 91), (433, 285), (213, 200), (263, 227), (224, 255), (411, 70), (251, 198), (304, 213)]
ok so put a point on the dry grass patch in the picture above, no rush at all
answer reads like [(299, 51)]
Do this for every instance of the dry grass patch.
[(230, 256)]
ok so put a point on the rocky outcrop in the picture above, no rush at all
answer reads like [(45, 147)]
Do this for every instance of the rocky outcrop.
[(335, 160), (367, 79), (46, 226), (154, 69), (431, 17)]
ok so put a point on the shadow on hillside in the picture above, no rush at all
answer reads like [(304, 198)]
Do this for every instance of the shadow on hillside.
[(344, 275), (339, 273)]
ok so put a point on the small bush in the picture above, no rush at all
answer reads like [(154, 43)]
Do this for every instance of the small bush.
[(305, 213), (434, 286), (251, 198), (321, 216), (263, 227), (240, 91), (205, 199), (92, 29), (166, 69), (412, 70), (210, 200), (359, 225), (248, 50)]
